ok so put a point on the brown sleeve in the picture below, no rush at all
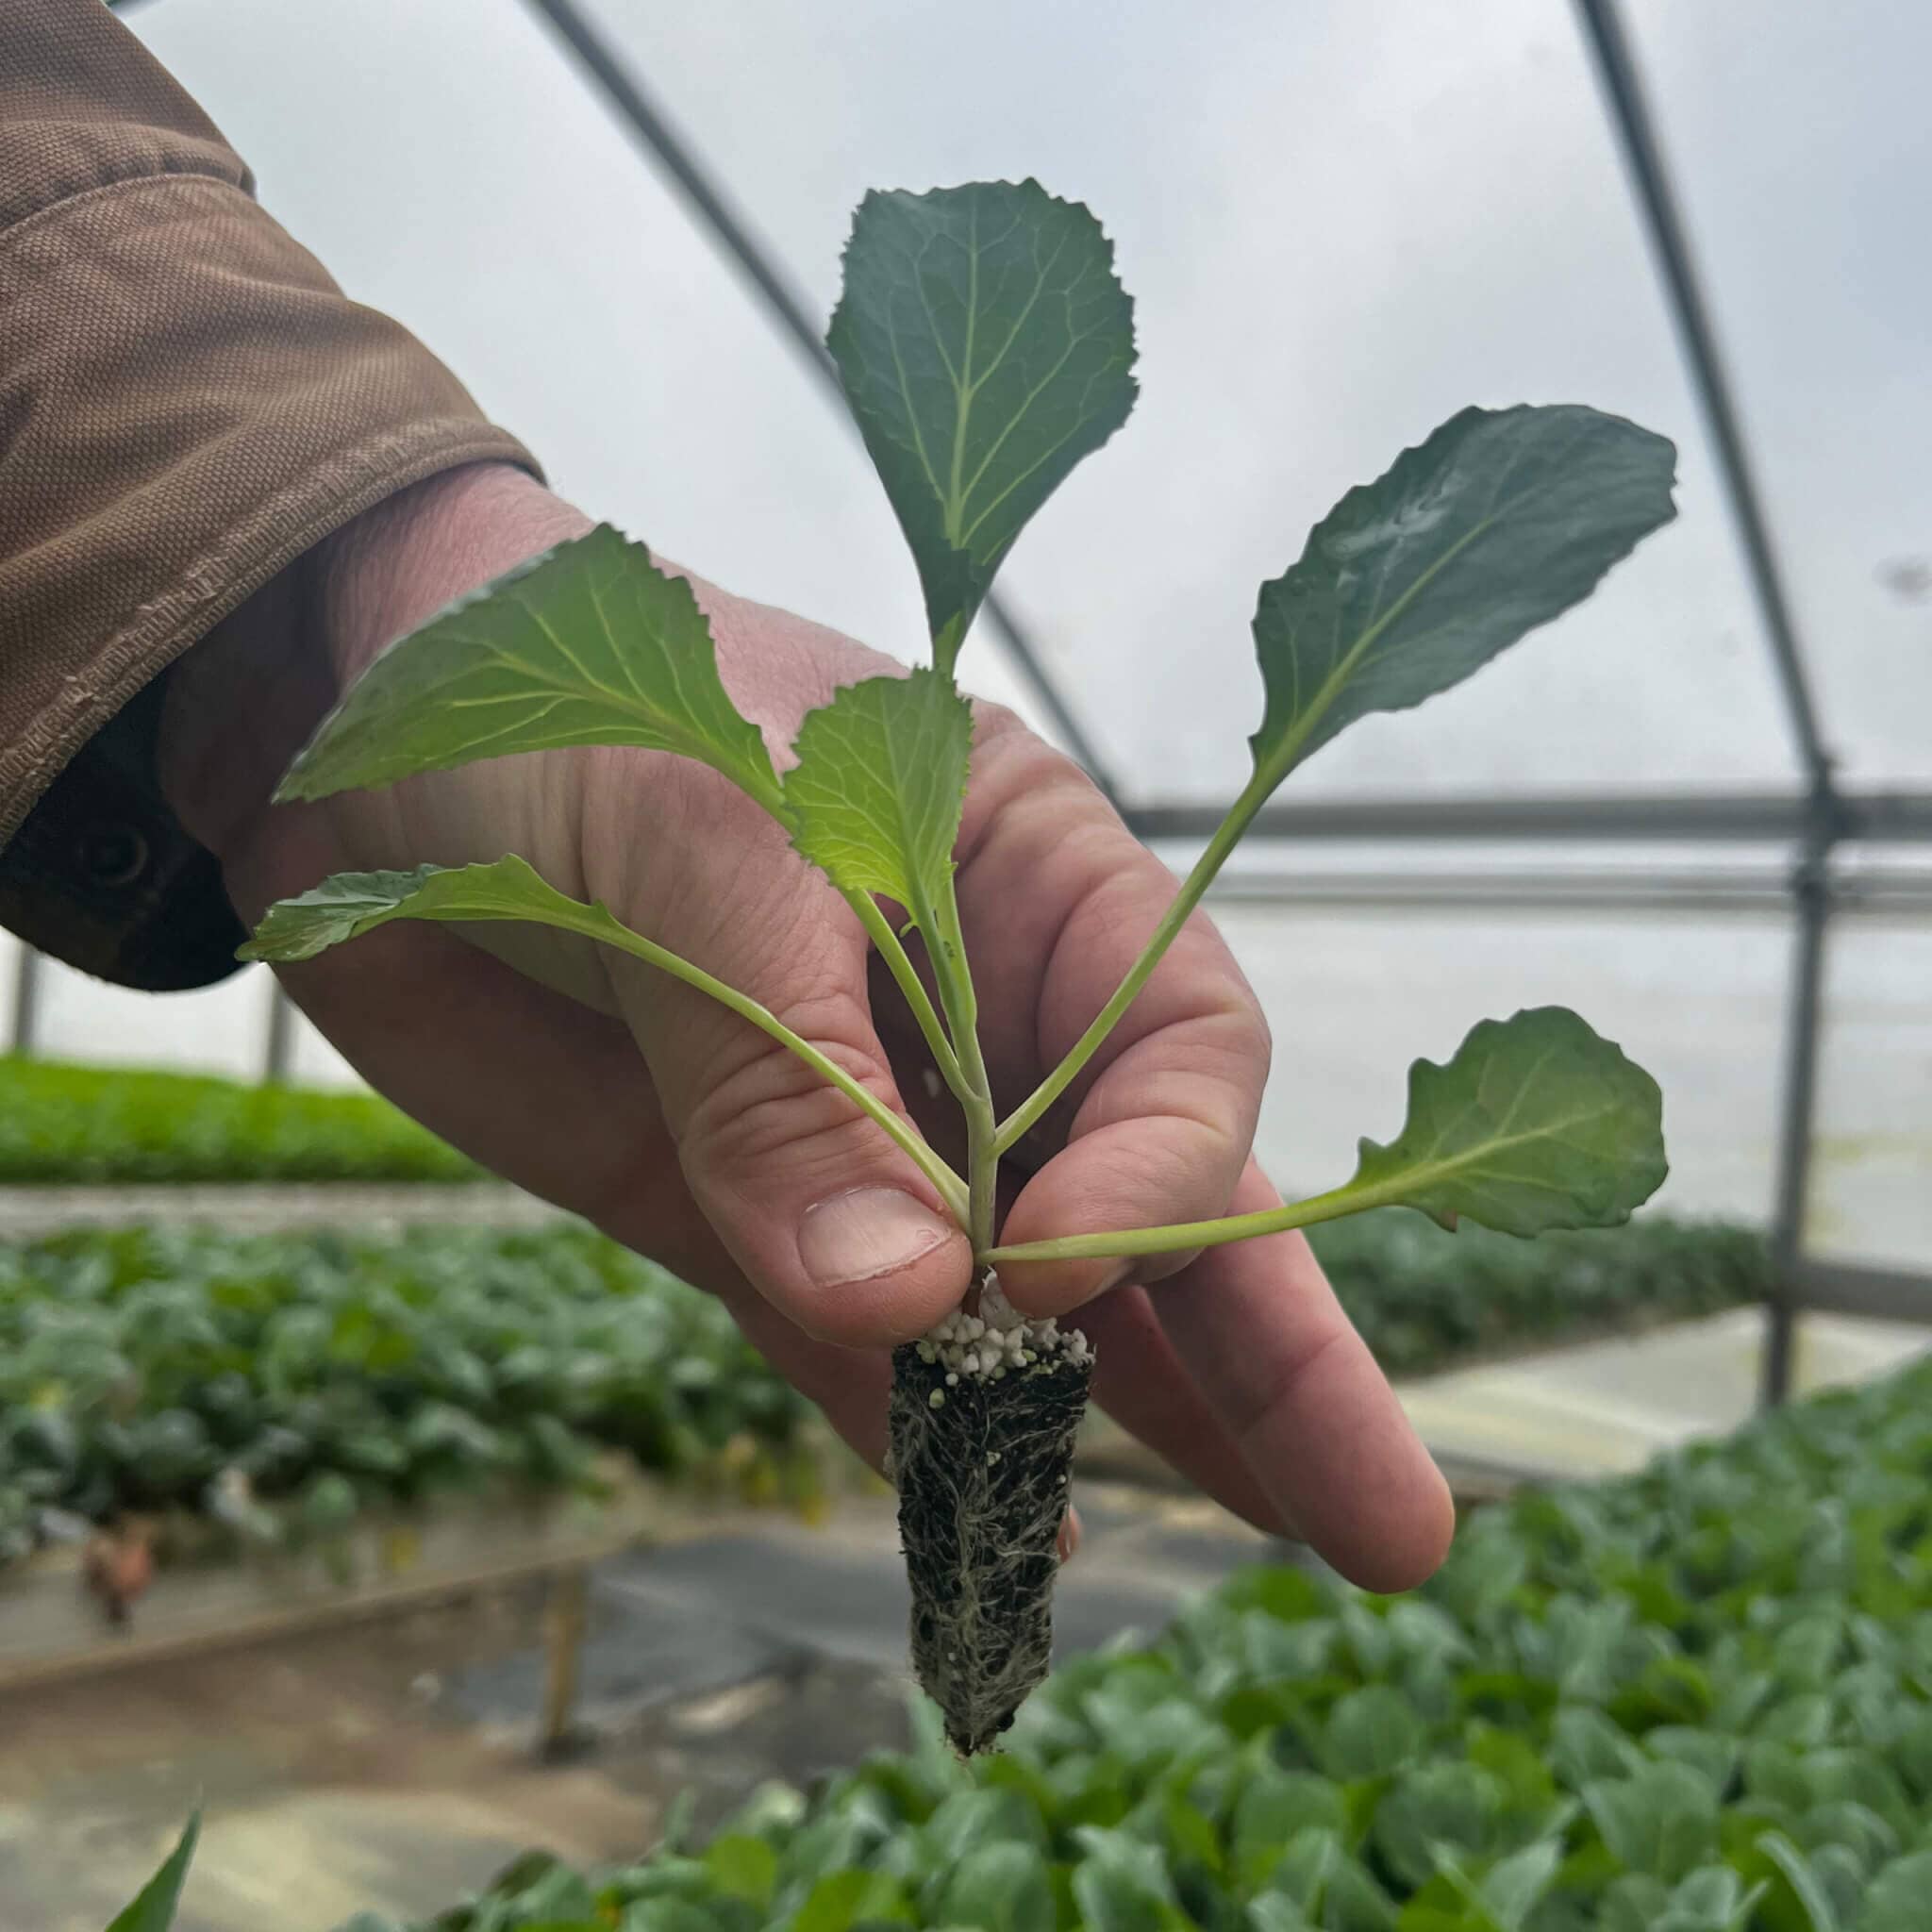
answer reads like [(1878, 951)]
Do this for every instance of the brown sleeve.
[(188, 404)]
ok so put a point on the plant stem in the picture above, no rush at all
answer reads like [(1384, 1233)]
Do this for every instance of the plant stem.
[(879, 929), (599, 923), (1185, 1235), (1226, 835), (946, 947)]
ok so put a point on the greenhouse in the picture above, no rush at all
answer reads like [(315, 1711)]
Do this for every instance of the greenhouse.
[(385, 1548)]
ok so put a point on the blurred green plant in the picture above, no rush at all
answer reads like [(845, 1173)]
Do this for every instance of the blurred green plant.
[(1424, 1300), (68, 1124), (1694, 1700), (278, 1385)]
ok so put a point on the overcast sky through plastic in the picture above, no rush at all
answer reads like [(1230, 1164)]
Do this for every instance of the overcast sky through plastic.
[(1339, 222)]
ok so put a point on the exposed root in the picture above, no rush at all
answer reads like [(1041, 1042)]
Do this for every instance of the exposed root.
[(985, 1411)]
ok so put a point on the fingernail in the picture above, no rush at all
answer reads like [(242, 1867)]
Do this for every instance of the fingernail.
[(870, 1232), (1069, 1541)]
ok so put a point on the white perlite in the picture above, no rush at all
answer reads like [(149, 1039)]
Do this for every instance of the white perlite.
[(984, 1347)]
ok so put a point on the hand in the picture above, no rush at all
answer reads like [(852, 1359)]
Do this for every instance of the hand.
[(684, 1133)]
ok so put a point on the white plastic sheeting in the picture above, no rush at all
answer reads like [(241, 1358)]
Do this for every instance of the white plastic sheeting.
[(1340, 224)]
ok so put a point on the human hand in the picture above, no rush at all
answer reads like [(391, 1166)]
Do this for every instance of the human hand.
[(684, 1133)]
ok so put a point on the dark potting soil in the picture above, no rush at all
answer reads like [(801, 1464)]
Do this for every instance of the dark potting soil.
[(983, 1476)]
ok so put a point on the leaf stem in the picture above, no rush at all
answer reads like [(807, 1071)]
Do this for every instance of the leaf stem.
[(1182, 1236), (1228, 835), (879, 929), (613, 931), (946, 947)]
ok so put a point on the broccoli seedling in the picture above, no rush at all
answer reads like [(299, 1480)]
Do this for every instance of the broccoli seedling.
[(986, 346)]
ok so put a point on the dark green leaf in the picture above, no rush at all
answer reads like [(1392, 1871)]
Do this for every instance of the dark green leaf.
[(1123, 1885), (1807, 1884), (1448, 1806), (154, 1907), (842, 1900), (1898, 1897), (1513, 1886), (1711, 1899), (1373, 1733), (1496, 523), (587, 644), (1272, 1807), (743, 1867), (984, 347), (1536, 1123), (1662, 1821), (998, 1887), (349, 904)]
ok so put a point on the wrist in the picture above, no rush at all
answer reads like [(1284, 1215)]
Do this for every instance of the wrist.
[(243, 701), (398, 565)]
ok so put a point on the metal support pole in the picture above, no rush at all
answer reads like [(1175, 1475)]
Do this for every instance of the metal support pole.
[(278, 1051), (1812, 898), (676, 156), (566, 1619), (1630, 115), (22, 1037)]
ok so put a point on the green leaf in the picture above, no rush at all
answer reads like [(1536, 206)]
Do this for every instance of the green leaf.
[(1373, 1733), (879, 786), (1499, 522), (1536, 1123), (1663, 1821), (1708, 1751), (1807, 1886), (998, 1887), (986, 347), (1273, 1806), (1711, 1899), (153, 1908), (1121, 1884), (743, 1867), (350, 904), (1511, 1887), (589, 644), (1444, 1805), (842, 1900), (1305, 1864), (1897, 1902), (1271, 1913), (657, 1915)]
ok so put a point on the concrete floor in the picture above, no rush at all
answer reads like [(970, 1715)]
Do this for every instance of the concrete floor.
[(1602, 1407)]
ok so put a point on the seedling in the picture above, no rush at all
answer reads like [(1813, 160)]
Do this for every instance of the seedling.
[(986, 347)]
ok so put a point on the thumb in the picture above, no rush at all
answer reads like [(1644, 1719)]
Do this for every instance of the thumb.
[(833, 1224)]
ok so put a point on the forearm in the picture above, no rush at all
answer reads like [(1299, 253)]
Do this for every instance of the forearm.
[(190, 405)]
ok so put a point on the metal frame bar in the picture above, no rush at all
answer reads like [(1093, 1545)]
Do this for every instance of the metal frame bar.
[(676, 156), (1630, 116), (24, 1031), (1703, 893), (1848, 1287), (1715, 818)]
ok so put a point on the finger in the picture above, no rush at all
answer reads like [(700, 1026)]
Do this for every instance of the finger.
[(826, 1216), (1261, 1331), (1163, 1119), (1140, 1381)]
